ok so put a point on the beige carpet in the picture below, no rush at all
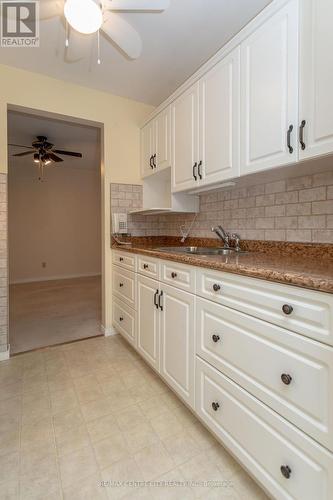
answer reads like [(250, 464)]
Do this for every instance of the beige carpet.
[(52, 312)]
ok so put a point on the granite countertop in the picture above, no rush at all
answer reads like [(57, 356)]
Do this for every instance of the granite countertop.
[(308, 266)]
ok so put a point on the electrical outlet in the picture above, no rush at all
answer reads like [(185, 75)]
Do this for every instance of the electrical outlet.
[(44, 264)]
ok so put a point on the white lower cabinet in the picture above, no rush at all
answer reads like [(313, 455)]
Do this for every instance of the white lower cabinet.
[(283, 459), (148, 343), (123, 317), (252, 358), (177, 341), (166, 334)]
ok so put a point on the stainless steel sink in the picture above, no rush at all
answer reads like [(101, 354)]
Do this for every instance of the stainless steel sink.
[(200, 250)]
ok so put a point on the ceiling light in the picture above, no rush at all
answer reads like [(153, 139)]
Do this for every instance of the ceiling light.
[(85, 16), (36, 157), (46, 159)]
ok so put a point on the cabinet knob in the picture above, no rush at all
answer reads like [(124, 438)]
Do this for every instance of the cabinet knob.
[(145, 266), (215, 406), (121, 318), (173, 275), (121, 259), (286, 378), (285, 471), (215, 338), (287, 309), (216, 287), (121, 285)]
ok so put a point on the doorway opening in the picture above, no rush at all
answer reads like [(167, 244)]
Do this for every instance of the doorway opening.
[(54, 231)]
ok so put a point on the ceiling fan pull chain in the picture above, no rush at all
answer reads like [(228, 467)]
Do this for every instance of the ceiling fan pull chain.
[(98, 49)]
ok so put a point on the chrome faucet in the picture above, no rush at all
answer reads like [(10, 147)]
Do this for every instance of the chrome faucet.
[(222, 234)]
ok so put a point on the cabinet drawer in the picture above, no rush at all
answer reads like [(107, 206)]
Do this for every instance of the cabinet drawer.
[(178, 275), (148, 267), (123, 285), (261, 357), (310, 312), (123, 318), (262, 440), (124, 259)]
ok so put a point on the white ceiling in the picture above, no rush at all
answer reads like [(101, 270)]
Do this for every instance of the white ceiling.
[(175, 44), (23, 128)]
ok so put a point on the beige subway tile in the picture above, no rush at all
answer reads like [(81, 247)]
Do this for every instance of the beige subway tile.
[(275, 187), (287, 197), (323, 178), (256, 190), (313, 194), (275, 211), (322, 236), (286, 223), (265, 200), (322, 207), (312, 222), (299, 182), (330, 192), (329, 223), (298, 209), (275, 234), (303, 235), (247, 202), (265, 223)]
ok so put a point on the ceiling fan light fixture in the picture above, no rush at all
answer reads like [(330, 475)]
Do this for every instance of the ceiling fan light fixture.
[(85, 16), (36, 157), (46, 160)]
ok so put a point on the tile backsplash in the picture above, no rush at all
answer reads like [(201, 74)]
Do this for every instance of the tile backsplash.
[(294, 209)]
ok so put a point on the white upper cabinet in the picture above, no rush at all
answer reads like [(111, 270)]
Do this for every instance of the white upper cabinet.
[(184, 136), (147, 148), (156, 144), (219, 121), (269, 92), (316, 78), (163, 139)]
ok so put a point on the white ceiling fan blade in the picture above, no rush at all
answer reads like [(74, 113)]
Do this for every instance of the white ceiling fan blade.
[(123, 35), (136, 5), (78, 48), (50, 8)]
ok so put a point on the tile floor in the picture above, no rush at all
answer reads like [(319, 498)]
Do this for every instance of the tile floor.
[(77, 415)]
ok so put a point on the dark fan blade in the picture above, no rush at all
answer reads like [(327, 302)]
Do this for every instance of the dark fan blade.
[(26, 153), (54, 157), (21, 146), (67, 153)]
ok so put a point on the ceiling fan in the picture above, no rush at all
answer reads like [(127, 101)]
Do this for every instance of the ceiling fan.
[(91, 16), (44, 153)]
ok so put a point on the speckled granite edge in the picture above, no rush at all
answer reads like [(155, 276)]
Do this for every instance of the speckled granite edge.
[(293, 268), (281, 248)]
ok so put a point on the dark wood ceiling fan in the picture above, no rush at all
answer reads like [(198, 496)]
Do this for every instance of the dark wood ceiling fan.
[(44, 151)]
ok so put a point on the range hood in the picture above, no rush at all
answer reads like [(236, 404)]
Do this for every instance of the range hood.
[(158, 199)]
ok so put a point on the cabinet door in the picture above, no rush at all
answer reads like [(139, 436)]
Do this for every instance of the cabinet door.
[(148, 342), (316, 77), (219, 120), (163, 139), (269, 92), (184, 113), (177, 341), (147, 146)]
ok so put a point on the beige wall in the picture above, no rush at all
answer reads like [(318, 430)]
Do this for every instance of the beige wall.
[(62, 226), (121, 119)]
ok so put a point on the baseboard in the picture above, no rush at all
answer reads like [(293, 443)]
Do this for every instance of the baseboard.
[(54, 278), (5, 354), (109, 331)]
